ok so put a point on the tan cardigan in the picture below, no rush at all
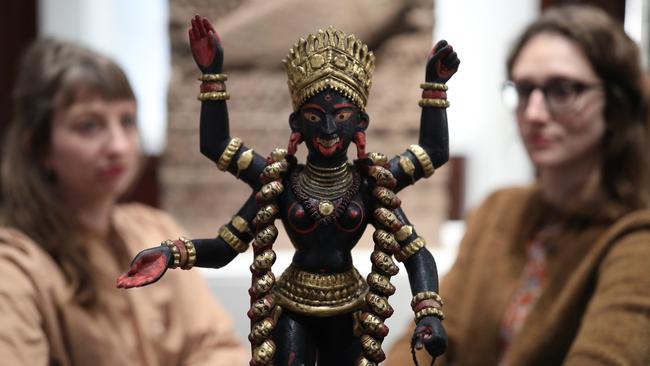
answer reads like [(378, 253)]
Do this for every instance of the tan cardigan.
[(172, 322), (595, 309)]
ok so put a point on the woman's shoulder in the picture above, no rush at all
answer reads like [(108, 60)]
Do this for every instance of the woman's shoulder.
[(19, 247), (634, 223), (25, 263), (510, 195)]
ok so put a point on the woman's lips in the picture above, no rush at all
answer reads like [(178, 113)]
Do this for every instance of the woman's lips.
[(539, 141), (113, 171)]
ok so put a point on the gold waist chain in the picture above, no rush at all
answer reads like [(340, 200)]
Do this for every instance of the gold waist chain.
[(320, 294)]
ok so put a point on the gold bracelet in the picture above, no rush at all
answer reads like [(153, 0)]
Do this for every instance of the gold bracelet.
[(425, 295), (240, 224), (213, 77), (176, 254), (428, 312), (213, 95), (430, 102), (423, 159), (191, 252), (230, 151), (434, 86), (409, 249), (232, 240)]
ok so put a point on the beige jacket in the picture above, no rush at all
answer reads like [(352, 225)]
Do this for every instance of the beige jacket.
[(172, 322), (594, 310)]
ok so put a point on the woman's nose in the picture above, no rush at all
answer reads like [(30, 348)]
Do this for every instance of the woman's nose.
[(119, 140), (536, 108)]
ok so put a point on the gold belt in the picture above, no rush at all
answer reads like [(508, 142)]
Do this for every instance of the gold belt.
[(320, 294)]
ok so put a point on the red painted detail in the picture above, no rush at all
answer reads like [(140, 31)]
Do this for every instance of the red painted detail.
[(207, 87), (359, 222), (145, 270), (360, 141), (314, 106), (294, 140), (344, 105), (292, 358), (292, 224), (434, 94), (202, 37)]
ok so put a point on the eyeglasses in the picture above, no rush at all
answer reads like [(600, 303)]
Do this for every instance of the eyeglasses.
[(561, 94)]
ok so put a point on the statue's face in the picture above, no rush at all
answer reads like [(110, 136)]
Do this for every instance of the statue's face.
[(328, 122)]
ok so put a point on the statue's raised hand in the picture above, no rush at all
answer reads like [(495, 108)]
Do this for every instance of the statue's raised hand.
[(147, 267), (206, 46), (442, 64), (430, 334)]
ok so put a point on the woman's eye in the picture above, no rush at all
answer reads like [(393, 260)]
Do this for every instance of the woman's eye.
[(343, 116), (311, 117), (88, 125), (128, 121)]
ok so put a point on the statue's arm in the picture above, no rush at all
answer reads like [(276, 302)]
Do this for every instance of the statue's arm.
[(432, 150)]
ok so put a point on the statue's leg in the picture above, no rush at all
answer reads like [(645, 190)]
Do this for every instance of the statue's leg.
[(294, 343), (337, 343)]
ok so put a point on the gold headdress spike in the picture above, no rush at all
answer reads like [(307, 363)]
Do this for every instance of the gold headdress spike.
[(330, 59)]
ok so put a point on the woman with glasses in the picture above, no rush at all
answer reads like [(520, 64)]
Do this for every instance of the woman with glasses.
[(557, 273)]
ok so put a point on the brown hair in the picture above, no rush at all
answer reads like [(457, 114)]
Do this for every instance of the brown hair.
[(52, 74), (615, 59)]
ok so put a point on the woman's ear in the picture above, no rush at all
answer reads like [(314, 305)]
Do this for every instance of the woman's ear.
[(364, 120)]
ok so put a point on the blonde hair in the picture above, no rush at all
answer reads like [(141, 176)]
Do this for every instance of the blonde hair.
[(52, 74)]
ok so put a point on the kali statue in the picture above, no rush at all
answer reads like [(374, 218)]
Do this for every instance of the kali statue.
[(320, 310)]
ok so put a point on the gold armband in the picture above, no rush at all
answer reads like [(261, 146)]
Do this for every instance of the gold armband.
[(213, 77), (425, 295), (232, 240), (434, 102), (409, 249), (230, 151), (213, 95), (423, 159), (434, 86)]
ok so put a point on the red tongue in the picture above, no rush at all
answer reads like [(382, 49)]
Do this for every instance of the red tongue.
[(327, 151)]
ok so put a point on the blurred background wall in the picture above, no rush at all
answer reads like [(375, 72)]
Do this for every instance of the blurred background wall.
[(148, 38)]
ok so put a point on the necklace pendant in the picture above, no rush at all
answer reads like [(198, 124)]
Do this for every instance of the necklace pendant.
[(325, 207)]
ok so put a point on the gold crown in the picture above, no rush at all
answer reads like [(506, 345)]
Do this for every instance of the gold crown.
[(329, 59)]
